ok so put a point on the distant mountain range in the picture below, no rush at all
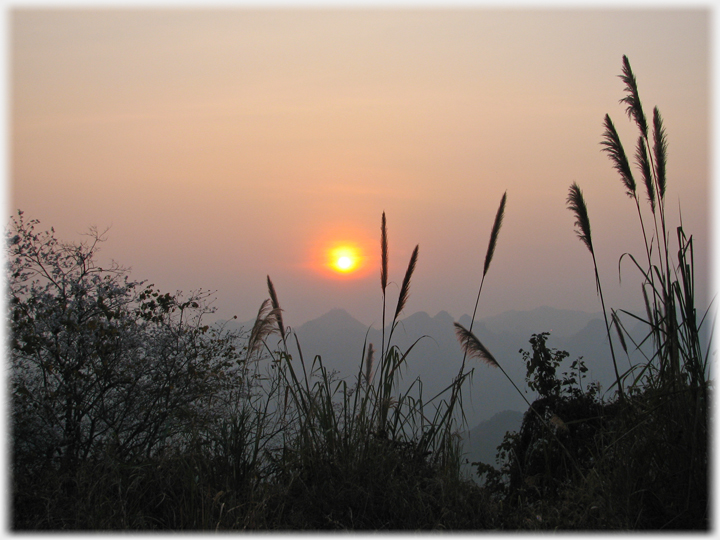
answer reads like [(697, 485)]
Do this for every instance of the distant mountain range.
[(436, 357)]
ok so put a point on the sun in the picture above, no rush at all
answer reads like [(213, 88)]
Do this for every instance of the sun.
[(345, 263), (344, 259)]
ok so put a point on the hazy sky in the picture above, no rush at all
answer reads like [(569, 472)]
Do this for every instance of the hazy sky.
[(224, 145)]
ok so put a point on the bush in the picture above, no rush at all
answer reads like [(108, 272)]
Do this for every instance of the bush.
[(103, 367)]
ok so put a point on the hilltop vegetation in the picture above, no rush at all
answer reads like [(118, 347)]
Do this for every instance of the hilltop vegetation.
[(128, 411)]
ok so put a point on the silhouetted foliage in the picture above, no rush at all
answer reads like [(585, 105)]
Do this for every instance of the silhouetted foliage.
[(104, 366)]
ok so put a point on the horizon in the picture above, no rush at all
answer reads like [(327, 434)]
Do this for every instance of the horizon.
[(225, 145), (376, 324)]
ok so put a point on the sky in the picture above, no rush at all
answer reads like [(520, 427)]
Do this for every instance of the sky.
[(221, 146)]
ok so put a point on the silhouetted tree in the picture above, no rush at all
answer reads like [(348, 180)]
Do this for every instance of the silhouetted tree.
[(104, 365)]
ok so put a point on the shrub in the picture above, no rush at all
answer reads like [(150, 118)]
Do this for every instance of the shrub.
[(103, 367)]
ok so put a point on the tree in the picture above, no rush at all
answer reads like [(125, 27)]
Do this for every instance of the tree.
[(105, 365)]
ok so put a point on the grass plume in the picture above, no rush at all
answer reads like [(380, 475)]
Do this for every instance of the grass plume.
[(660, 151), (494, 233), (405, 288), (276, 307), (576, 204), (641, 157), (369, 363), (383, 276), (265, 324), (632, 99), (383, 254), (614, 148), (492, 243), (472, 346)]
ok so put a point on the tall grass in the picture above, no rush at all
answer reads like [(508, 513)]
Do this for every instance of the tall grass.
[(576, 203), (642, 459), (333, 434), (672, 386)]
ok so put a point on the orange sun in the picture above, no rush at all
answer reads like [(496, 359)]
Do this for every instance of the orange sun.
[(344, 259)]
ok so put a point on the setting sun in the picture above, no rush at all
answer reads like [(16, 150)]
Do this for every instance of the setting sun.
[(344, 259)]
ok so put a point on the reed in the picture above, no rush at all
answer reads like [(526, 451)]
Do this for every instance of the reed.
[(276, 307), (576, 203), (383, 275), (456, 394), (665, 424)]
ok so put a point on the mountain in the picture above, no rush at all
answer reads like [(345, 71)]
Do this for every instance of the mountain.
[(559, 322), (436, 357)]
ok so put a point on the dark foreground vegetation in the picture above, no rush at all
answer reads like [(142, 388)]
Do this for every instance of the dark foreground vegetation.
[(129, 411)]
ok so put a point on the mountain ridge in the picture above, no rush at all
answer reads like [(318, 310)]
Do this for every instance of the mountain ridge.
[(340, 339)]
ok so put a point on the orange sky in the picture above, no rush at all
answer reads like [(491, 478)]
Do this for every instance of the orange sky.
[(224, 145)]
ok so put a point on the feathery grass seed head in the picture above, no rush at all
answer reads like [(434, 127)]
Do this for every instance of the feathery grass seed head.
[(384, 254), (576, 203), (369, 363), (494, 233), (263, 327), (643, 162), (632, 99), (660, 150), (613, 146), (619, 329), (276, 306), (472, 347), (405, 288)]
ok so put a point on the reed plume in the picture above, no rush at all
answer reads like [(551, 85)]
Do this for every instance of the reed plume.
[(576, 203), (641, 156), (369, 363), (276, 306), (619, 329), (384, 254), (472, 346), (660, 151), (405, 288), (495, 233), (632, 99), (614, 148), (383, 276), (264, 326)]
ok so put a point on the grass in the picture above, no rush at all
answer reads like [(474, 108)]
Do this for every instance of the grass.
[(649, 443), (300, 449)]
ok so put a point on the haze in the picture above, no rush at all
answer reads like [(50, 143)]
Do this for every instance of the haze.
[(221, 146)]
